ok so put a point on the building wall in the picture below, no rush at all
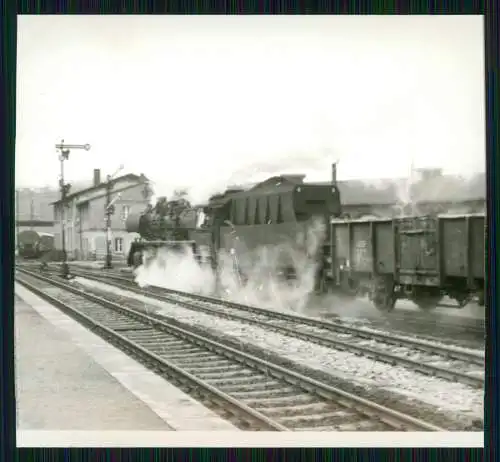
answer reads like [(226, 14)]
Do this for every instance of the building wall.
[(93, 245), (34, 203), (86, 222)]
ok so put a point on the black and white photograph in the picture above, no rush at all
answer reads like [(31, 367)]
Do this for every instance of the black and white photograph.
[(231, 228)]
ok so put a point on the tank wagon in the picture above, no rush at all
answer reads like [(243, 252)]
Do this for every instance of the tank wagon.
[(27, 244), (33, 245), (421, 258)]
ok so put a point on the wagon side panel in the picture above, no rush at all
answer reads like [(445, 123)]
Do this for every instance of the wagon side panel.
[(362, 257), (417, 251), (384, 247), (454, 246), (340, 236), (478, 257)]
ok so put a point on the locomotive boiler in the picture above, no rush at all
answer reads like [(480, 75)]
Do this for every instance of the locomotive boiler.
[(167, 225), (282, 219)]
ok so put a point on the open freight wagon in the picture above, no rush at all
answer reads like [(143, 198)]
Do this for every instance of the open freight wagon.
[(421, 259)]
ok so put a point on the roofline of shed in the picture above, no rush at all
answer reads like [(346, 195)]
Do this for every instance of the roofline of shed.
[(100, 186)]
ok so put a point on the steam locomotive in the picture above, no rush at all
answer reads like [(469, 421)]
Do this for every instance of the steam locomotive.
[(289, 224), (272, 213)]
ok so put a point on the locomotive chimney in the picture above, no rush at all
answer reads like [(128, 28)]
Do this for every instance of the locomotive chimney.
[(334, 174), (97, 177)]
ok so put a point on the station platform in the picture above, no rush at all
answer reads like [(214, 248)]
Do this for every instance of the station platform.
[(68, 378)]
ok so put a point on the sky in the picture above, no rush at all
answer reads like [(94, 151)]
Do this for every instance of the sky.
[(203, 102)]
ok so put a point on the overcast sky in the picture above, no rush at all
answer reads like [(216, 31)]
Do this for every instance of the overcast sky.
[(203, 101)]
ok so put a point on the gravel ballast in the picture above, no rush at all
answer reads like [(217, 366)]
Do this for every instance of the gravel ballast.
[(453, 398)]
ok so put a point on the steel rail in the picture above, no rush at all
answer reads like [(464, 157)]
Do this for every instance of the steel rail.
[(374, 411), (298, 322)]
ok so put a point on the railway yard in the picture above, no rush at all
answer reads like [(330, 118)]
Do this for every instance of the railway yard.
[(153, 358), (294, 249)]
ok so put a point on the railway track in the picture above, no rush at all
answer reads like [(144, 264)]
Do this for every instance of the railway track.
[(253, 393), (426, 325), (446, 362), (436, 322)]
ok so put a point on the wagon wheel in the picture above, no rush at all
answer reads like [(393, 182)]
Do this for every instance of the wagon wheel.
[(463, 300), (384, 297), (384, 301), (427, 303)]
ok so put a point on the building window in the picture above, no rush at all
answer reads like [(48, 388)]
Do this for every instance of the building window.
[(83, 213), (119, 244), (125, 212)]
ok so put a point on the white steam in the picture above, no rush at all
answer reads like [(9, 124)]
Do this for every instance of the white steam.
[(245, 276), (175, 269), (417, 195)]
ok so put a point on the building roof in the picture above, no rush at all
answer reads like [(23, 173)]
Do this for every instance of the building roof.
[(443, 188), (128, 176), (35, 223), (427, 189)]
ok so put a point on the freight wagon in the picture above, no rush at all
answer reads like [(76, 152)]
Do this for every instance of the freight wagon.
[(421, 259), (32, 245)]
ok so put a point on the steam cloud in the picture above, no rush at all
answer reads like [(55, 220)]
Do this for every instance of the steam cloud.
[(416, 196), (264, 285)]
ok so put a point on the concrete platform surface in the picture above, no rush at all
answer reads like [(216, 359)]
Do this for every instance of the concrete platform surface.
[(68, 378)]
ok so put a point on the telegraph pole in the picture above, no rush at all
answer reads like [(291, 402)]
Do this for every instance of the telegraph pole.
[(32, 209), (64, 155), (110, 210)]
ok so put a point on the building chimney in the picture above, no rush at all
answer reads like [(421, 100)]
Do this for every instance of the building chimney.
[(334, 174), (97, 177)]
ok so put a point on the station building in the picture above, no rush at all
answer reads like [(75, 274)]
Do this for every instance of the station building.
[(85, 217)]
